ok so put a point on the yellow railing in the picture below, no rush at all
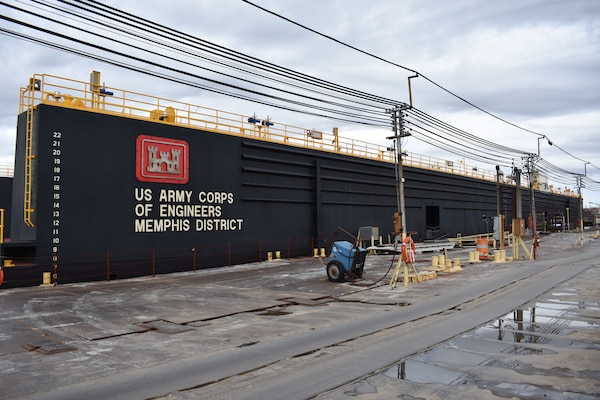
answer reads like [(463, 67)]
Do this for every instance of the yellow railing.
[(91, 96), (7, 171)]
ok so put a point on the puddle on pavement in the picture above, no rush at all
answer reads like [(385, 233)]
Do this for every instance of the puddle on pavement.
[(526, 391), (275, 312), (542, 324), (542, 328), (571, 293), (569, 305), (420, 372)]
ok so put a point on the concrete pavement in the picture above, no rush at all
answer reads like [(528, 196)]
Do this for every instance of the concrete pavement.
[(55, 336)]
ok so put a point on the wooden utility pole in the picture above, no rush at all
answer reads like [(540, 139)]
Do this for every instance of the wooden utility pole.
[(399, 133)]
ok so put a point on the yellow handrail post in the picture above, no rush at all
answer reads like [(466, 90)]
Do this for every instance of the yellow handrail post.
[(1, 225), (1, 239)]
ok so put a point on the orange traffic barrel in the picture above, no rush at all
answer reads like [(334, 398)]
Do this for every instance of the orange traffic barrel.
[(482, 248)]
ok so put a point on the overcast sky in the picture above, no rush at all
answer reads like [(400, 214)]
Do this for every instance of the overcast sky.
[(535, 63)]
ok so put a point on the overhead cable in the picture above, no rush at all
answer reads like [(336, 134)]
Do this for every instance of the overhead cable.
[(165, 53), (402, 67)]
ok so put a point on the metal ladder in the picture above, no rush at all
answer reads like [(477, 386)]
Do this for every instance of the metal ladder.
[(29, 156)]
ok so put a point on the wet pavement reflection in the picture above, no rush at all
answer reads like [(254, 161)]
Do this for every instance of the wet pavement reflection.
[(547, 349)]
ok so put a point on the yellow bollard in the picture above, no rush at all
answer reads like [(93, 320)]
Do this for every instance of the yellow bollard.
[(269, 256), (46, 279), (473, 256), (323, 252), (448, 264), (442, 260), (500, 256), (315, 252), (278, 255), (434, 262), (457, 263)]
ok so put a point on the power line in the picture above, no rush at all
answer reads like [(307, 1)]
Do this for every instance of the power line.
[(404, 68), (391, 63), (342, 109), (324, 99)]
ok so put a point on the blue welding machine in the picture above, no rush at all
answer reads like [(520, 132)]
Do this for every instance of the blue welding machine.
[(346, 261)]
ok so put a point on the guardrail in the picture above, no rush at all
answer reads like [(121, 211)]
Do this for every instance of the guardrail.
[(54, 90), (7, 171)]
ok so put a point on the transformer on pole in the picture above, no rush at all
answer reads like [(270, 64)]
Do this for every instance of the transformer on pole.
[(399, 133)]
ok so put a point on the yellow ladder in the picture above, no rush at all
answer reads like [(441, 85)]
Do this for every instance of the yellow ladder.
[(29, 156)]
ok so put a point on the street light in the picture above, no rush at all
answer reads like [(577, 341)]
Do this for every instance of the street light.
[(543, 137), (585, 168)]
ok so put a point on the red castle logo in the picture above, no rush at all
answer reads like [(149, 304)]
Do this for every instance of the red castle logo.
[(161, 160)]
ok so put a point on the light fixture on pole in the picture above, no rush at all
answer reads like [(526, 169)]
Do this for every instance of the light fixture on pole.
[(543, 137)]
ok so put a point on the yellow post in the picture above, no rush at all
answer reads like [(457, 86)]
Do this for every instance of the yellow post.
[(473, 256), (1, 238), (46, 279), (1, 225), (396, 273)]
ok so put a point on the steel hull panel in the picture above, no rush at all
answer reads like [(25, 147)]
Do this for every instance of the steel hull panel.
[(241, 199)]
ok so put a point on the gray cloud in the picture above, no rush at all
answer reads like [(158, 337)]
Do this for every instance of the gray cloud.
[(534, 63)]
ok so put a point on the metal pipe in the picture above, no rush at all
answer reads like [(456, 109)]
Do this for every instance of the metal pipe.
[(410, 89)]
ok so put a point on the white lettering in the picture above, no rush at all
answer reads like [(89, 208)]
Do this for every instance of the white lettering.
[(143, 210), (162, 225), (188, 210), (174, 206), (206, 225), (175, 196), (142, 194), (215, 197)]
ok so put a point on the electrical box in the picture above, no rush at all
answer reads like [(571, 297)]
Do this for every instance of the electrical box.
[(95, 81), (518, 226), (368, 232)]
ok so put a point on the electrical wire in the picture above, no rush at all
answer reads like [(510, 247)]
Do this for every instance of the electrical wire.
[(175, 56), (413, 71), (388, 62), (149, 26), (381, 121)]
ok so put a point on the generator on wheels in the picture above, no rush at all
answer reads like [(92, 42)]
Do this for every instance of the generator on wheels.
[(346, 262)]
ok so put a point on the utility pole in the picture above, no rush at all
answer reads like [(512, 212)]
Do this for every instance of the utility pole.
[(518, 201), (579, 186), (530, 170), (499, 208), (399, 133)]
